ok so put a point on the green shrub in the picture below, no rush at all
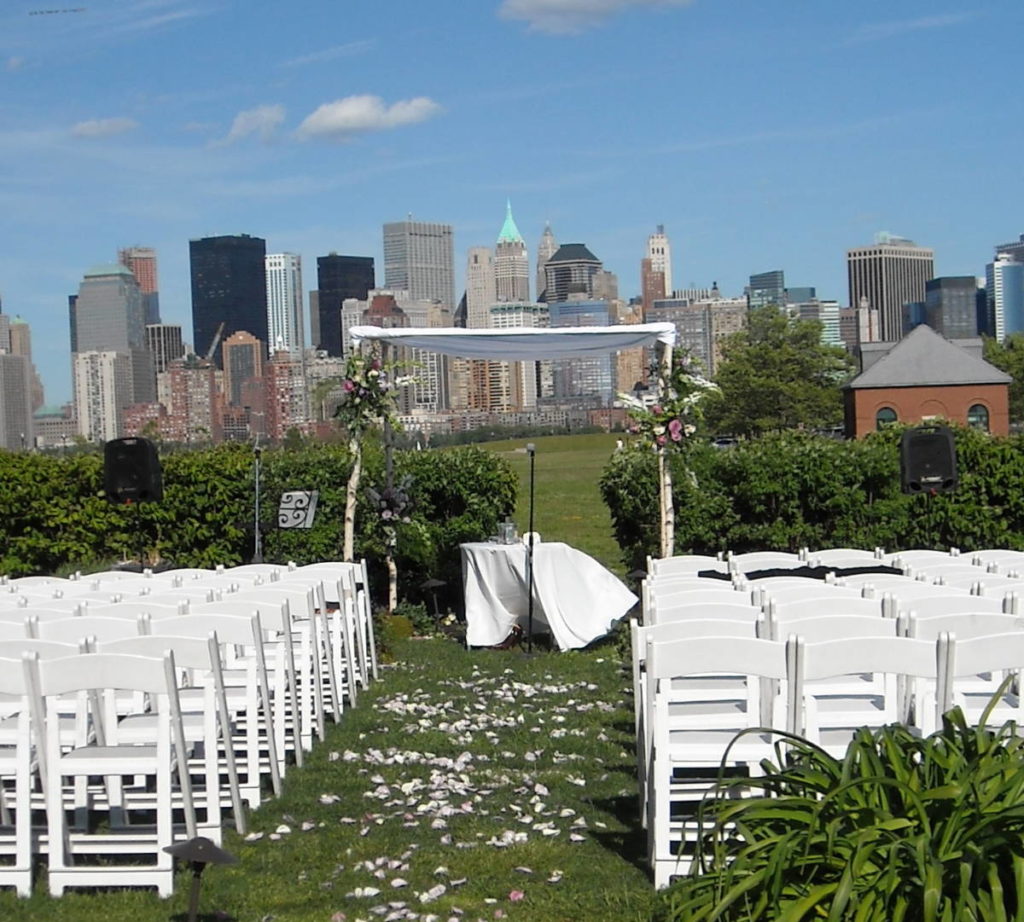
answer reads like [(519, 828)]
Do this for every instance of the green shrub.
[(901, 828), (789, 490), (54, 517)]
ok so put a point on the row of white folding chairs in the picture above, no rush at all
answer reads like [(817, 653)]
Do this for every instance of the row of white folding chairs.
[(692, 726), (338, 587)]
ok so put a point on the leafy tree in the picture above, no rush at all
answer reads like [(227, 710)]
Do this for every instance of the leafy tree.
[(1009, 357), (776, 374)]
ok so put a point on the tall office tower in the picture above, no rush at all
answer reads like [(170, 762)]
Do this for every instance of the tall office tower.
[(242, 361), (652, 286), (103, 387), (801, 294), (547, 248), (1014, 250), (659, 255), (142, 263), (21, 344), (1004, 287), (109, 316), (951, 306), (570, 270), (16, 423), (284, 303), (323, 377), (229, 290), (163, 340), (604, 286), (338, 278), (767, 288), (286, 397), (418, 258), (889, 273), (511, 262), (481, 286)]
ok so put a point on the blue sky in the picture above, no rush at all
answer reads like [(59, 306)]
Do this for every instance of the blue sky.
[(763, 134)]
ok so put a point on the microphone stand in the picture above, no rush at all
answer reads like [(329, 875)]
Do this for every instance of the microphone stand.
[(531, 450)]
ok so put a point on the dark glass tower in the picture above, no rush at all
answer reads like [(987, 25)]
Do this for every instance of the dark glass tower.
[(338, 278), (229, 286)]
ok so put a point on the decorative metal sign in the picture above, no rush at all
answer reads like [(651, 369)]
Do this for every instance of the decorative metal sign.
[(297, 508)]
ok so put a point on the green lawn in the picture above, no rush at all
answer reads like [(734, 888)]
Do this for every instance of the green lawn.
[(486, 782), (567, 504)]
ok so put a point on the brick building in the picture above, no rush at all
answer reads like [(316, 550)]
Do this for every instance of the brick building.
[(926, 376)]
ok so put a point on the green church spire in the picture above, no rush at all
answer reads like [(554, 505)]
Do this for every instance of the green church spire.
[(509, 231)]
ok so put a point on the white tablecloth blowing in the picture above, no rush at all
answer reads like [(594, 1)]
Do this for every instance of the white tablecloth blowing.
[(577, 598)]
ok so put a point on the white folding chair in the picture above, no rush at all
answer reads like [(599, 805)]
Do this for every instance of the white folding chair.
[(18, 839), (995, 657), (686, 756), (206, 723), (69, 848)]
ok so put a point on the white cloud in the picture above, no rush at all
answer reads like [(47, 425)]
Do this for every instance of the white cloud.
[(359, 114), (330, 54), (262, 121), (13, 64), (873, 32), (569, 16), (103, 127)]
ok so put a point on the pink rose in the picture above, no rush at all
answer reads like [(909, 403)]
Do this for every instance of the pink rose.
[(656, 410), (675, 430), (349, 385), (660, 440)]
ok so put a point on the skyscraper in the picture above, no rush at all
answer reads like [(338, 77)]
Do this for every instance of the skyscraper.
[(242, 356), (570, 270), (660, 255), (109, 316), (889, 274), (163, 340), (284, 303), (951, 306), (1004, 288), (338, 278), (547, 248), (229, 287), (16, 380), (103, 387), (767, 288), (419, 258), (142, 263), (481, 286), (511, 262)]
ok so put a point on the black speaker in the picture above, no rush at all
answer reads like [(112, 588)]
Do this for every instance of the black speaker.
[(928, 460), (132, 472)]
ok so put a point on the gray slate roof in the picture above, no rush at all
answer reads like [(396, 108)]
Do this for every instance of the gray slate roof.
[(924, 358), (572, 251)]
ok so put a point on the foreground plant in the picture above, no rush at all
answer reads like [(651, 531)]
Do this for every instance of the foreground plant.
[(901, 829)]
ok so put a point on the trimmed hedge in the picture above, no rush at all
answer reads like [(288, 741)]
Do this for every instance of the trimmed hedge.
[(54, 518), (793, 489)]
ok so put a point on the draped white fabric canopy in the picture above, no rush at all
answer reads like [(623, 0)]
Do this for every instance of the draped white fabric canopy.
[(522, 344), (530, 344)]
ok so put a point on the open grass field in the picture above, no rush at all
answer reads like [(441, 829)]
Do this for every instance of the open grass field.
[(474, 785), (568, 505)]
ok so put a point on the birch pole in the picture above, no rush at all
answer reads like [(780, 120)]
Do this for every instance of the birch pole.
[(389, 482), (666, 507)]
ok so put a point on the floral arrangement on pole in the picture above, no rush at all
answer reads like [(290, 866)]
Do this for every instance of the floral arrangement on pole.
[(390, 507), (367, 400), (674, 415)]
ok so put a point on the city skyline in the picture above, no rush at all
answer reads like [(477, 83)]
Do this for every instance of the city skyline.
[(636, 113)]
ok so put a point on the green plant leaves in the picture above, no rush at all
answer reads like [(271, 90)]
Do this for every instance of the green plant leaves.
[(900, 828)]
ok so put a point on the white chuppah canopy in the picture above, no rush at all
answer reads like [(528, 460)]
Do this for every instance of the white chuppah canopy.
[(521, 344), (533, 344)]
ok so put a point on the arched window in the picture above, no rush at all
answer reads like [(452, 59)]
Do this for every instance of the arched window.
[(885, 416), (977, 417)]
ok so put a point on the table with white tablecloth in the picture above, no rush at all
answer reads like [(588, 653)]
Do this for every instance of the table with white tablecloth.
[(574, 596)]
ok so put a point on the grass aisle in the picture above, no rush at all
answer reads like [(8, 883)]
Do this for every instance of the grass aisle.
[(466, 785)]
